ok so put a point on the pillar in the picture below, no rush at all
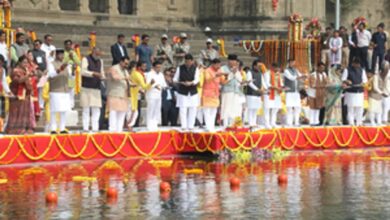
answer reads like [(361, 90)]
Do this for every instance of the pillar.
[(84, 7), (113, 7), (54, 5)]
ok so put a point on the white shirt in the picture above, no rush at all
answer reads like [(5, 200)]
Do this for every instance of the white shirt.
[(158, 86), (345, 76), (4, 51), (121, 50), (364, 38), (48, 49)]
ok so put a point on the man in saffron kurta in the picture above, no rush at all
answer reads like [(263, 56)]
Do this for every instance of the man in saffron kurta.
[(210, 93), (138, 79), (118, 94)]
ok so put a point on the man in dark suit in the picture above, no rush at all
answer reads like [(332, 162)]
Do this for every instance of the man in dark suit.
[(169, 111), (118, 50)]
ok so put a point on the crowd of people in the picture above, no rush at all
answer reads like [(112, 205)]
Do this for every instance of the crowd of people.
[(186, 90)]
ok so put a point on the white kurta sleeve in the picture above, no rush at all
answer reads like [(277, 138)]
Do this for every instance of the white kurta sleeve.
[(5, 84), (177, 75), (267, 80), (375, 85), (196, 77), (364, 77), (84, 68), (52, 72), (345, 75), (249, 78), (163, 82), (289, 76)]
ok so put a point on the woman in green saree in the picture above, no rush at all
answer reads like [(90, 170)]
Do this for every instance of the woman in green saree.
[(333, 98)]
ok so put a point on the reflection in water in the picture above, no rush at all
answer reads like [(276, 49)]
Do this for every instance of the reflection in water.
[(321, 185)]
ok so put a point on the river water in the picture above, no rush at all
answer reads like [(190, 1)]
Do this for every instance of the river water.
[(321, 185)]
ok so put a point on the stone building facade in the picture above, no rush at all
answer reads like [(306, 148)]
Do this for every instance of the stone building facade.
[(225, 17)]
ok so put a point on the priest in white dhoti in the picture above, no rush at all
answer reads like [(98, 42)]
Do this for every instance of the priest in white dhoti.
[(187, 78), (354, 79), (92, 73), (273, 82), (59, 73), (232, 101), (154, 95), (292, 77), (254, 92)]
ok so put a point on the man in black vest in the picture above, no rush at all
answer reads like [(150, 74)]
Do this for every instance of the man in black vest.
[(187, 78), (354, 79), (92, 71), (254, 92)]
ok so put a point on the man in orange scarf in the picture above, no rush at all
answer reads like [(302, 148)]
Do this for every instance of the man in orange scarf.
[(273, 82)]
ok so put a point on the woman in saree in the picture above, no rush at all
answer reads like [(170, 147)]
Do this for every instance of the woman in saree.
[(33, 70), (333, 115), (20, 108)]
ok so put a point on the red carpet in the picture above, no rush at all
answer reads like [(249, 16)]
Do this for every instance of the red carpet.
[(39, 148)]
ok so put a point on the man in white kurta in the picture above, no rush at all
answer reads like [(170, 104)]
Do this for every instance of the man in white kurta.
[(92, 72), (336, 49), (292, 76), (385, 73), (232, 101), (254, 92), (58, 73), (153, 96), (354, 78), (187, 78), (273, 82)]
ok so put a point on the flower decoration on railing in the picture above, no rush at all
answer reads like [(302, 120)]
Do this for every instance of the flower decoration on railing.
[(314, 27), (296, 18)]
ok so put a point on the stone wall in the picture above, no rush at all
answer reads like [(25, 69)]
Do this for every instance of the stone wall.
[(375, 11), (249, 18)]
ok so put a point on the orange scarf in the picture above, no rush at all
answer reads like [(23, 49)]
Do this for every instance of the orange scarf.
[(275, 82)]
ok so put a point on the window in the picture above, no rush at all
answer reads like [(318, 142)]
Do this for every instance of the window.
[(70, 5), (172, 5), (99, 6), (127, 7)]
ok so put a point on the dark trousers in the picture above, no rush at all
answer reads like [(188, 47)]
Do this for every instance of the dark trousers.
[(353, 52), (344, 112), (375, 56), (363, 54), (169, 113), (139, 114)]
